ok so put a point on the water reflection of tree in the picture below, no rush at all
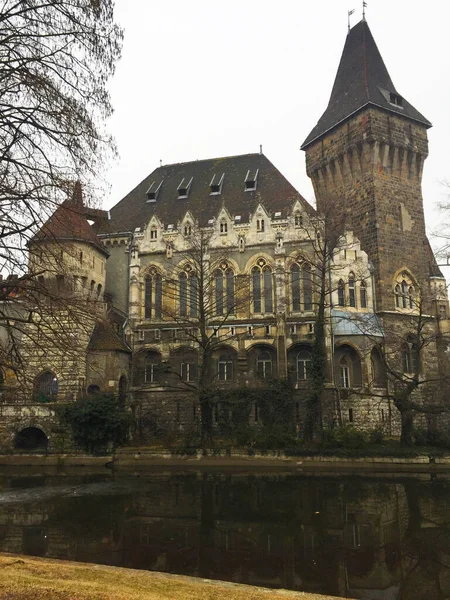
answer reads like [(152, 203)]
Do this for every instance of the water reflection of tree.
[(426, 543)]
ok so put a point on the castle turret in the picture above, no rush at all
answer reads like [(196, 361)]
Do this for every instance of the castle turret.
[(365, 158)]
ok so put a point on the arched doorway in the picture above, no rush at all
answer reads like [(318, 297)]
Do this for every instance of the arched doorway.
[(31, 439)]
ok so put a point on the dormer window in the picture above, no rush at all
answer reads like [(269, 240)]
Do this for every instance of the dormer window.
[(216, 185), (153, 233), (223, 227), (251, 180), (184, 187), (153, 190), (187, 230), (278, 215), (260, 225), (298, 220), (395, 99), (237, 219)]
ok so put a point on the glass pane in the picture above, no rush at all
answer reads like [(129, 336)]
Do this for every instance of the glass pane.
[(148, 299), (307, 287), (256, 290), (183, 295), (230, 292), (193, 304), (219, 293), (158, 297), (295, 287), (268, 303)]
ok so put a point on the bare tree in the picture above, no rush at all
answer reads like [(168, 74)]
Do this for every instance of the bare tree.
[(56, 57)]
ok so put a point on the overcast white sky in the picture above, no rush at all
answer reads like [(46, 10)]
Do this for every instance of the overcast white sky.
[(202, 79)]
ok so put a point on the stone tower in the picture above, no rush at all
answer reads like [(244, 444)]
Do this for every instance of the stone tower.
[(365, 158)]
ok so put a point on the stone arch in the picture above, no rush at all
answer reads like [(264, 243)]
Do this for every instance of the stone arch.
[(262, 361), (31, 438), (225, 363), (252, 262), (348, 369), (299, 362)]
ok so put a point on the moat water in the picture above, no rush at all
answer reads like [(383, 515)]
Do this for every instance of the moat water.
[(380, 538)]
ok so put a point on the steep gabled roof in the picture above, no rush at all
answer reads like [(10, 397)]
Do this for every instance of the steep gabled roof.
[(69, 223), (272, 190), (362, 79)]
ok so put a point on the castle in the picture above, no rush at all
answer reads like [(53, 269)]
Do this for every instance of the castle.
[(226, 250)]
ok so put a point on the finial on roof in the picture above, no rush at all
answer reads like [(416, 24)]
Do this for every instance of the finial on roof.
[(260, 148), (350, 12), (160, 162), (77, 196), (364, 10)]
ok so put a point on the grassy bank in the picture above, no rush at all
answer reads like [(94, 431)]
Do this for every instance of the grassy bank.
[(30, 578)]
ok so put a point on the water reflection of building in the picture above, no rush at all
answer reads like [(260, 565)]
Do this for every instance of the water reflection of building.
[(352, 538)]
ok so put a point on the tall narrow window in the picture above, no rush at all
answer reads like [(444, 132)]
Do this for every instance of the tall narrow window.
[(223, 227), (219, 292), (295, 287), (256, 280), (411, 297), (303, 365), (307, 287), (341, 293), (351, 290), (183, 294), (225, 368), (230, 291), (344, 372), (363, 294), (268, 300), (153, 295), (406, 359), (404, 294), (193, 293), (397, 295)]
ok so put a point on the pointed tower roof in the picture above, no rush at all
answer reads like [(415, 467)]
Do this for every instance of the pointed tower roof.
[(362, 79), (69, 222)]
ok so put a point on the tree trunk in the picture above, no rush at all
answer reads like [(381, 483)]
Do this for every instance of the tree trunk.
[(206, 410), (407, 416)]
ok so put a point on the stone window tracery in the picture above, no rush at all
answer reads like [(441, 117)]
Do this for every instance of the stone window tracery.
[(262, 287), (301, 287), (404, 292), (153, 295), (224, 290), (188, 292)]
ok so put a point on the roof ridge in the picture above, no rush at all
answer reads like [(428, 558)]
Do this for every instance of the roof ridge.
[(187, 162)]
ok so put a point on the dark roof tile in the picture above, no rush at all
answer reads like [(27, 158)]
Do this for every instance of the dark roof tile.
[(362, 79)]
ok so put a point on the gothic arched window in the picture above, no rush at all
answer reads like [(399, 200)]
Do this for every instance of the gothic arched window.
[(344, 372), (351, 290), (410, 355), (224, 290), (262, 289), (307, 286), (295, 286), (46, 387), (404, 292), (188, 292), (363, 294), (153, 295)]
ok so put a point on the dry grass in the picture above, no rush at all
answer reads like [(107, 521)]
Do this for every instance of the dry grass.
[(29, 578)]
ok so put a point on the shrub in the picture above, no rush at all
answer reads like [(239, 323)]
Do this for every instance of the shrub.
[(96, 422), (344, 436), (376, 436)]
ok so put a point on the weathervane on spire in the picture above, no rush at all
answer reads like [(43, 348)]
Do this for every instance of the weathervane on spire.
[(350, 12), (364, 10)]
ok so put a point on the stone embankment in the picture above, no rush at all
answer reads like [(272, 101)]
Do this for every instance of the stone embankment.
[(30, 578)]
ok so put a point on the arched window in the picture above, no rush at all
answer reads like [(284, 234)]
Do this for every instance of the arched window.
[(295, 287), (351, 290), (344, 372), (99, 290), (46, 387), (225, 362), (187, 230), (224, 290), (341, 293), (363, 294), (153, 233), (347, 367), (264, 365), (153, 295), (404, 292), (303, 364), (378, 369), (223, 226), (298, 220), (410, 356), (188, 292), (262, 291), (260, 225)]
